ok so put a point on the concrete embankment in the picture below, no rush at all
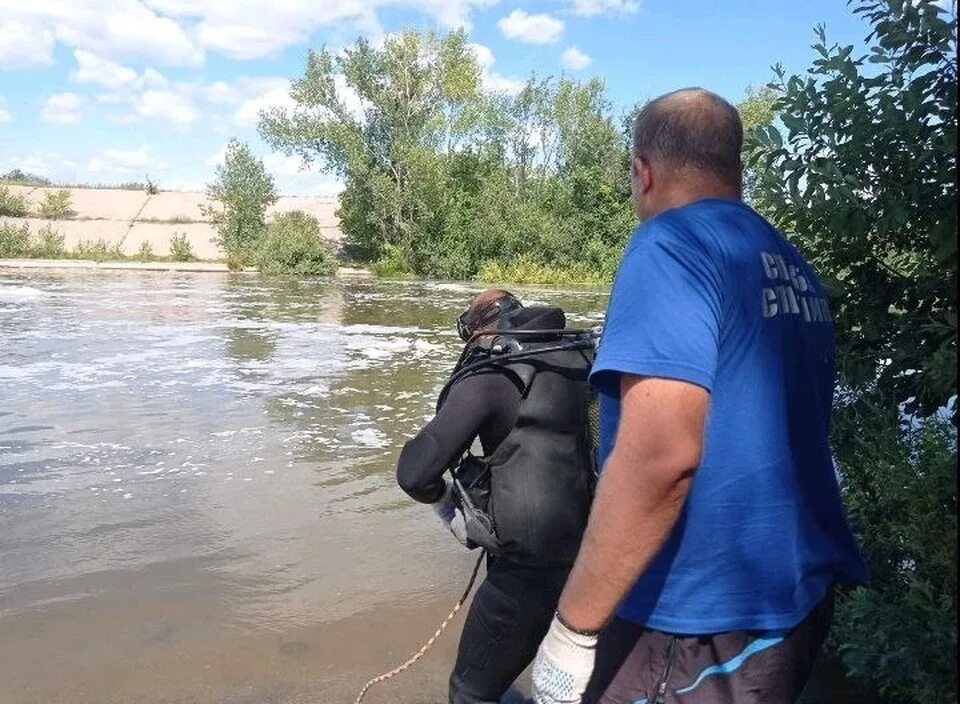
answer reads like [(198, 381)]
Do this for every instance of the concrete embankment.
[(128, 218), (202, 266)]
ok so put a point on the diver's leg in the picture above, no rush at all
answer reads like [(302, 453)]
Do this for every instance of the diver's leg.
[(508, 618)]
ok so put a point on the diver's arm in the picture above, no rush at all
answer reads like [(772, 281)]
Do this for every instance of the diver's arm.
[(642, 488), (424, 458)]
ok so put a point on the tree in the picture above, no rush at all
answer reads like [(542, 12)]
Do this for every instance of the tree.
[(864, 176), (243, 189)]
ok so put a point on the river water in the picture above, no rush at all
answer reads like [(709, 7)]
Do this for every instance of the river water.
[(197, 501)]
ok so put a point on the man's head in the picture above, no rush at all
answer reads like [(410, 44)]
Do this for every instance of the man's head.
[(485, 311), (686, 146)]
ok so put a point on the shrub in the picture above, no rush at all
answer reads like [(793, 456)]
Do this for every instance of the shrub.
[(392, 264), (98, 250), (47, 244), (898, 634), (56, 204), (180, 249), (236, 261), (526, 270), (12, 204), (294, 245), (14, 240), (150, 187), (145, 253)]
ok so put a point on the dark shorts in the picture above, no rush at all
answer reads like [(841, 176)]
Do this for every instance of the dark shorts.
[(636, 665)]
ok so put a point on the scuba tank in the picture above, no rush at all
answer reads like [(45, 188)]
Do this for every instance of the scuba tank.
[(530, 497)]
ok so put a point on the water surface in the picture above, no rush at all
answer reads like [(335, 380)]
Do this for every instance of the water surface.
[(197, 501)]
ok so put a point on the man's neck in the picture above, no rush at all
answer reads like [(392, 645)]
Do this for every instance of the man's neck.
[(689, 190)]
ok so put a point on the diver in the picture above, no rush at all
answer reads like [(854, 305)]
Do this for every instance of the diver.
[(521, 388)]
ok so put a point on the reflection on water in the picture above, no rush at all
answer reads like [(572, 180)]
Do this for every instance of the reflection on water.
[(190, 462)]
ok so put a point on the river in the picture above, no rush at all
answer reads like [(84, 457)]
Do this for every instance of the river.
[(197, 500)]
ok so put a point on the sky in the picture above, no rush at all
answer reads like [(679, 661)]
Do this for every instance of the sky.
[(105, 91)]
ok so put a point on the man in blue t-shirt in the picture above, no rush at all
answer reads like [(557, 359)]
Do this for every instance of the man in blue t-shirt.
[(717, 532)]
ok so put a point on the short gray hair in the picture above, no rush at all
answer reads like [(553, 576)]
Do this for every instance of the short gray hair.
[(691, 128)]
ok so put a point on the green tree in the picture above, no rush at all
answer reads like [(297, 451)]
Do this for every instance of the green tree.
[(242, 191), (864, 176)]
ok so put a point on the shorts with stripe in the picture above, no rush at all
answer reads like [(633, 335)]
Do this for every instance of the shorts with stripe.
[(636, 665)]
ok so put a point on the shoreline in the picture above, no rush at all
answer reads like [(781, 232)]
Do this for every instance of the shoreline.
[(198, 267)]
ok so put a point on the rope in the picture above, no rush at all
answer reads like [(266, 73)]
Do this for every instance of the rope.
[(426, 646)]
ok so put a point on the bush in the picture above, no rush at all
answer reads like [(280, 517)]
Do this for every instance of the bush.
[(294, 245), (180, 249), (151, 187), (48, 244), (14, 240), (56, 204), (236, 261), (12, 204), (145, 253), (98, 250), (392, 264), (898, 635), (526, 270)]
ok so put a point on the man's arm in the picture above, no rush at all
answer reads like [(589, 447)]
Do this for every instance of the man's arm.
[(470, 404), (641, 491)]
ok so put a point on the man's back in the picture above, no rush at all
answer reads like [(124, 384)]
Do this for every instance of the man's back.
[(737, 310)]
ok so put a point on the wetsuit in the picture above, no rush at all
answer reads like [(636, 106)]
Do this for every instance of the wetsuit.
[(514, 605)]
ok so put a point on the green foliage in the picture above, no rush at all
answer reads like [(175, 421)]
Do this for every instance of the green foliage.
[(294, 245), (56, 204), (180, 249), (236, 261), (899, 635), (14, 240), (151, 187), (12, 204), (757, 111), (145, 253), (392, 264), (242, 191), (864, 175), (527, 270), (47, 244), (442, 176), (97, 250)]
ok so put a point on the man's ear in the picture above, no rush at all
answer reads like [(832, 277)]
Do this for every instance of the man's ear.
[(642, 174)]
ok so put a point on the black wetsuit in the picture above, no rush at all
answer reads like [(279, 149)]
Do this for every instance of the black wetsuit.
[(514, 605)]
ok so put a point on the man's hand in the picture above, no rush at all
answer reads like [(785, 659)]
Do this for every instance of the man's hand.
[(451, 516), (563, 665)]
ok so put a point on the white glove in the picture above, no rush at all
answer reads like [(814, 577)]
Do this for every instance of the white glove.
[(452, 517), (562, 668)]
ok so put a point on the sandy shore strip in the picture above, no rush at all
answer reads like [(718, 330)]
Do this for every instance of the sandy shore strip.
[(217, 267)]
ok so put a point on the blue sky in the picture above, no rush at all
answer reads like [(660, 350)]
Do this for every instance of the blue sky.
[(108, 90)]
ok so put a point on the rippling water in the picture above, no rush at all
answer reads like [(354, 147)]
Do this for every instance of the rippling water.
[(197, 499)]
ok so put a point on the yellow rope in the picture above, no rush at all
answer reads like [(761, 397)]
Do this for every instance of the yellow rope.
[(426, 646)]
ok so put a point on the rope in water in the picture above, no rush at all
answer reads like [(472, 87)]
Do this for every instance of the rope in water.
[(433, 639)]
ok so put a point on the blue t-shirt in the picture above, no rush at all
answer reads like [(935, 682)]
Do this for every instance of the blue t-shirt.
[(712, 294)]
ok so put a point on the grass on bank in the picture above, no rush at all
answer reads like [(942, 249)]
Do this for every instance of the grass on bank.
[(19, 241)]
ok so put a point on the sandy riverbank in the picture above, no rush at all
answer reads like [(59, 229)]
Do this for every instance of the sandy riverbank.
[(129, 218)]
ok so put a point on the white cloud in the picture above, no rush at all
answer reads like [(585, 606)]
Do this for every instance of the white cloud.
[(278, 96), (50, 164), (23, 44), (492, 80), (588, 8), (169, 105), (574, 59), (63, 108), (92, 69), (5, 115), (120, 29), (123, 163), (535, 29)]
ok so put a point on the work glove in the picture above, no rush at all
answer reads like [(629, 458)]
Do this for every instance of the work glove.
[(451, 516), (563, 665)]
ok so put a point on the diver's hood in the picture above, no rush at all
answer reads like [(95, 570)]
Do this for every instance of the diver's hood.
[(534, 318)]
